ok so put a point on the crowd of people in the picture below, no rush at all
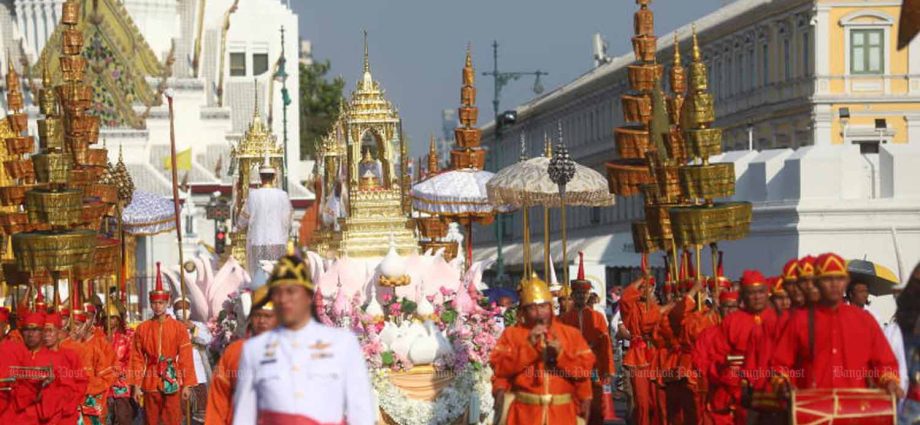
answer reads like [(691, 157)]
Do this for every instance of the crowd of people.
[(713, 352), (710, 352)]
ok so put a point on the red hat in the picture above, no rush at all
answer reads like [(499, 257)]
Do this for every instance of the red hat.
[(40, 304), (89, 307), (53, 320), (32, 320), (776, 285), (791, 270), (158, 294), (666, 289), (831, 265), (4, 315), (63, 310), (752, 278), (580, 283), (805, 267), (76, 307), (720, 278), (682, 272), (725, 296)]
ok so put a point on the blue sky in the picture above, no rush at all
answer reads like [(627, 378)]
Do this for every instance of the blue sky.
[(417, 46)]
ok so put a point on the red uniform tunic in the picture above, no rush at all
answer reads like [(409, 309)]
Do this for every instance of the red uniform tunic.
[(57, 402), (742, 334), (159, 343), (850, 350), (593, 327), (640, 318), (519, 364), (13, 354), (686, 396), (223, 383)]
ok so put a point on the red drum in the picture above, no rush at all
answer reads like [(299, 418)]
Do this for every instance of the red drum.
[(843, 406)]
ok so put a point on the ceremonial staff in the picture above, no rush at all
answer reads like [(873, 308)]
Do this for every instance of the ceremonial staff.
[(175, 192)]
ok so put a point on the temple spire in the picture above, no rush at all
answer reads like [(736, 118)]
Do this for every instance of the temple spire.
[(676, 50), (432, 158), (367, 61), (696, 46)]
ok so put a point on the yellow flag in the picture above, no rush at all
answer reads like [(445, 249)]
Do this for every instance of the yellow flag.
[(183, 161)]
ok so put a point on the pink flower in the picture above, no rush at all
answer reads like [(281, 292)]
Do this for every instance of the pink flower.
[(387, 298)]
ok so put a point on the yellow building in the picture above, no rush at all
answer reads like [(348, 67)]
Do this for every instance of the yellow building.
[(797, 73), (783, 74)]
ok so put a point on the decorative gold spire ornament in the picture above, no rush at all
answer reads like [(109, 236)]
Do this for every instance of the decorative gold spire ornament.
[(373, 210), (469, 154), (432, 158), (680, 211), (57, 229)]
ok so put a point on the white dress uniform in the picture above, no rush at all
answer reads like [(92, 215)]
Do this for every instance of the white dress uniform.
[(266, 217), (314, 375)]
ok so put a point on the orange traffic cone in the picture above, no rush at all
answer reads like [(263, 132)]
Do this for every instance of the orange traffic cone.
[(610, 413)]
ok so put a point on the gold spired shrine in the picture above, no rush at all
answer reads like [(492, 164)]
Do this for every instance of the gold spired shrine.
[(375, 170), (257, 146)]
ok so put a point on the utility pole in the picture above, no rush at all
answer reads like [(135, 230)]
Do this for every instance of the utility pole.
[(500, 80)]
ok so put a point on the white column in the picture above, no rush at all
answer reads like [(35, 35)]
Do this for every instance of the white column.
[(821, 119), (913, 127), (822, 55)]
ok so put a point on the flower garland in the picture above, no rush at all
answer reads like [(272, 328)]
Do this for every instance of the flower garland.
[(452, 402)]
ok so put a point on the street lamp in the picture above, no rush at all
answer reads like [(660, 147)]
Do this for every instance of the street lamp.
[(500, 80)]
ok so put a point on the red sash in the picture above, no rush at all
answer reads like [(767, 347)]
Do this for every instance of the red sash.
[(275, 418)]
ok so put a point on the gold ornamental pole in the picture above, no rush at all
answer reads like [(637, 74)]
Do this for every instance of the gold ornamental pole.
[(175, 191), (547, 255)]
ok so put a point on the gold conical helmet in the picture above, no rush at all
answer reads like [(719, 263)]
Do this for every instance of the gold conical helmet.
[(534, 291)]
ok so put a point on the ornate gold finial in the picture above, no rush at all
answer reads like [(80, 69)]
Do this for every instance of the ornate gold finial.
[(123, 180), (46, 75), (255, 103), (676, 50), (469, 55), (432, 157), (547, 146), (367, 60), (696, 45)]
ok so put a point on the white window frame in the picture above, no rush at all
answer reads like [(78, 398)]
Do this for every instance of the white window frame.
[(850, 22)]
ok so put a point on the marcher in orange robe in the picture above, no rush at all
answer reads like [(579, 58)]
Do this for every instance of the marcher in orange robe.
[(223, 383), (594, 328), (641, 313), (845, 339), (545, 365), (70, 381), (161, 362), (98, 362), (741, 354), (121, 406), (702, 353), (682, 389)]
